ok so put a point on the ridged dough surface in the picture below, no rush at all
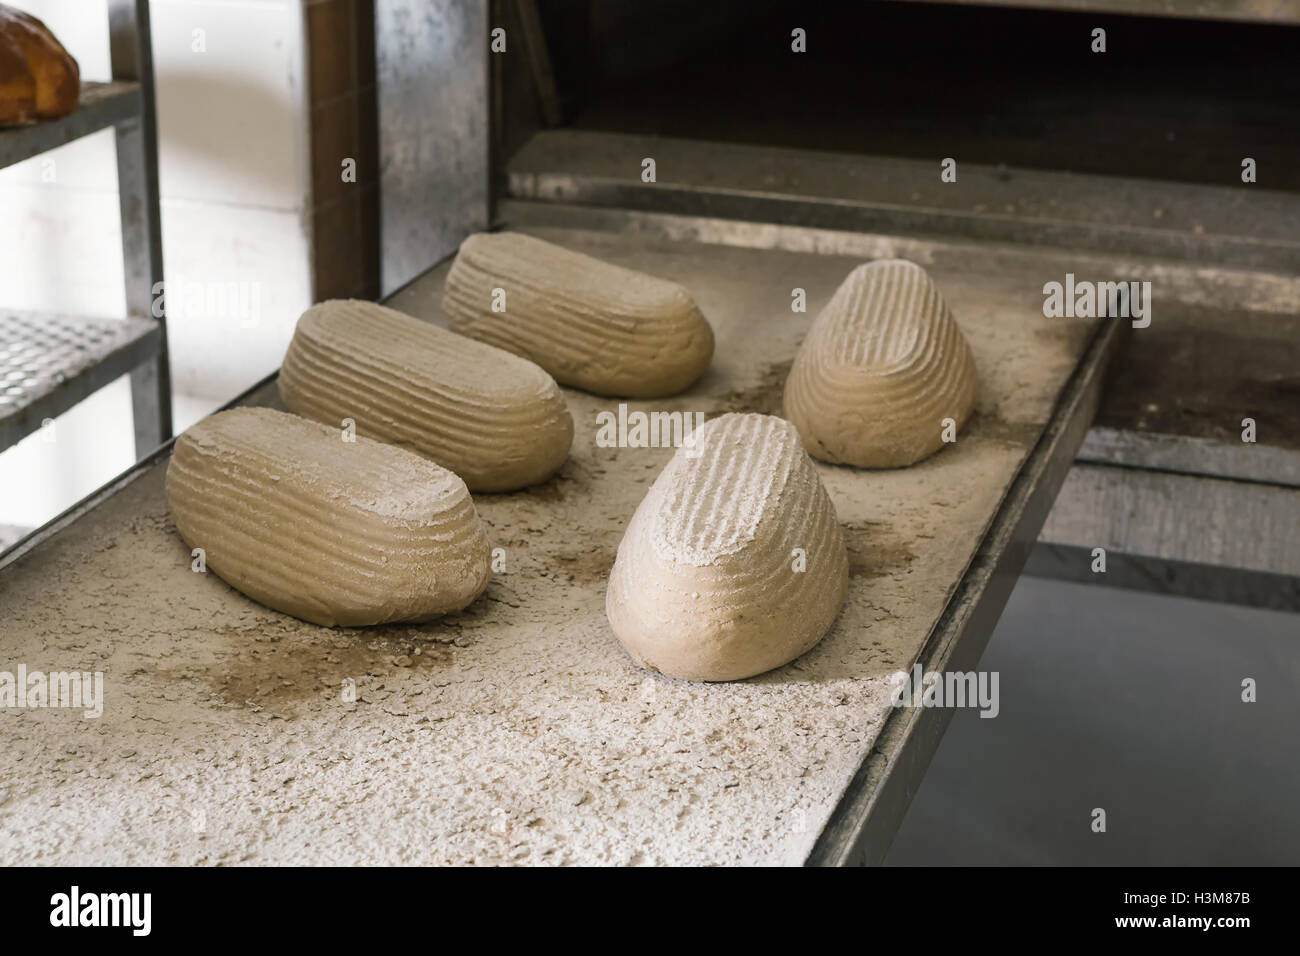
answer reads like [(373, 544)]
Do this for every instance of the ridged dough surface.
[(705, 585), (594, 326), (333, 532), (881, 368), (495, 419)]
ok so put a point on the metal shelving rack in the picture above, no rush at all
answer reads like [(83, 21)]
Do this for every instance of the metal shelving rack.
[(49, 363)]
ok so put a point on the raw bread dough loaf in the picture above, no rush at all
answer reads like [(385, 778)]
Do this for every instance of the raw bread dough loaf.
[(495, 419), (592, 325), (38, 78), (333, 532), (883, 365), (734, 562)]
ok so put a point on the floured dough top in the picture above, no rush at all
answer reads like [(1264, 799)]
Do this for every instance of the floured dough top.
[(887, 316), (623, 295), (383, 480), (465, 366), (712, 505)]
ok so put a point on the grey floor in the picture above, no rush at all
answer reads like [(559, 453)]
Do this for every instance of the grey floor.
[(1131, 703)]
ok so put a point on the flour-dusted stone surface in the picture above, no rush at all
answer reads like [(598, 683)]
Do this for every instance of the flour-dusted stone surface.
[(883, 368), (593, 325), (334, 532), (518, 730), (734, 563), (495, 419)]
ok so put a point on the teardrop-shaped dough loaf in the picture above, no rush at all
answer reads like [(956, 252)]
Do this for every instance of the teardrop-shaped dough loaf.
[(883, 365), (594, 326), (493, 418), (734, 563), (333, 532)]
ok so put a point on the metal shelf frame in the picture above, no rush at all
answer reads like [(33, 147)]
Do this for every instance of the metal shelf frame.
[(49, 363)]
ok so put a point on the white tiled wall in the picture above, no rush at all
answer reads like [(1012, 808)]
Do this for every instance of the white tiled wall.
[(235, 183)]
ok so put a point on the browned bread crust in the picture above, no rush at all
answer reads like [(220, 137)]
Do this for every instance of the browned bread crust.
[(38, 77)]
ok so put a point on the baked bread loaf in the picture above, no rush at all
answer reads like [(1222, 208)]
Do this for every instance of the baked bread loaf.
[(333, 532), (881, 368), (38, 78), (495, 419), (592, 325), (734, 562)]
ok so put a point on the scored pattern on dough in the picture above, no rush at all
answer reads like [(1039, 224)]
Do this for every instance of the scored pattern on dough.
[(333, 532), (705, 585), (495, 419), (592, 325), (883, 364), (696, 522)]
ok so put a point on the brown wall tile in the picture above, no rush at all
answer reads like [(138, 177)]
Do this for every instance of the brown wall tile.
[(335, 136), (331, 42), (344, 123), (364, 14), (368, 224), (368, 135), (339, 257)]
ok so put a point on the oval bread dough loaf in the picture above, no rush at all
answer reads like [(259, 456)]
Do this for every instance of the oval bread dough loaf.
[(883, 365), (333, 532), (734, 563), (495, 419), (592, 325)]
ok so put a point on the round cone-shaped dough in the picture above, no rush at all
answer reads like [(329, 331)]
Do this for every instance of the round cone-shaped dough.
[(592, 325), (495, 419), (883, 365), (734, 563), (333, 532)]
